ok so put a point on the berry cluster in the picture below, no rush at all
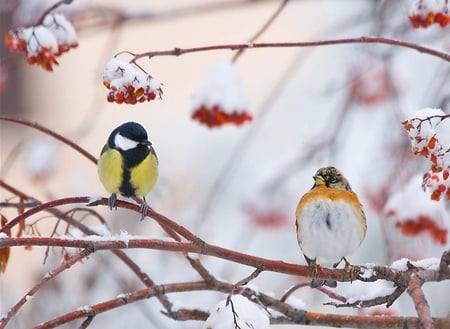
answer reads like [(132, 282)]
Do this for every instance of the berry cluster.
[(418, 223), (370, 86), (221, 99), (128, 84), (428, 132), (423, 224), (216, 117), (423, 13), (42, 43)]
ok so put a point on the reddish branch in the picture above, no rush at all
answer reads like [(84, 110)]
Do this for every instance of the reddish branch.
[(50, 132), (420, 302), (290, 314), (196, 245), (376, 40), (53, 7), (141, 275), (64, 266)]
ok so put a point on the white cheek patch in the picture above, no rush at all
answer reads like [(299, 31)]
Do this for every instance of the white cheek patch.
[(123, 143)]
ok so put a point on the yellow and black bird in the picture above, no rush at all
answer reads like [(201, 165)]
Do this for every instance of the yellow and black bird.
[(128, 164), (330, 222)]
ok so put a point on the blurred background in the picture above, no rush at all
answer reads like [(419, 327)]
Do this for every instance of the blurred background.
[(233, 186)]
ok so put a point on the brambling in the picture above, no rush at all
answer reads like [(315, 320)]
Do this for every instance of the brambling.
[(330, 222)]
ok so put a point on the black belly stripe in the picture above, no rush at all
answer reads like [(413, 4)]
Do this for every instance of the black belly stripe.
[(125, 188), (328, 221)]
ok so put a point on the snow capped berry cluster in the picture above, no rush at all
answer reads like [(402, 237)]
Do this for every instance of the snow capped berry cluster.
[(221, 99), (42, 43), (423, 13), (415, 216), (128, 84), (428, 130)]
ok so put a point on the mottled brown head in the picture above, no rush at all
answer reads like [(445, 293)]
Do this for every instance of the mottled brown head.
[(332, 178)]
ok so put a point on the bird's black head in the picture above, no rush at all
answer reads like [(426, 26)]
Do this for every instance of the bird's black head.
[(331, 177), (128, 136)]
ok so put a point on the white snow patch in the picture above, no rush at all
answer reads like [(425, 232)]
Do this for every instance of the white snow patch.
[(38, 37), (247, 315), (221, 87), (94, 198), (40, 157), (61, 28), (431, 263), (296, 302)]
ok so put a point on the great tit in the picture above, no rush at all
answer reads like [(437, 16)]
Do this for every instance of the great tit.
[(128, 164)]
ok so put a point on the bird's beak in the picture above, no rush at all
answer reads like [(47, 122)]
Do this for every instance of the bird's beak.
[(146, 143), (319, 181)]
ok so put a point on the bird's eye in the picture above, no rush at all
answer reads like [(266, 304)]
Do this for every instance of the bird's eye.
[(332, 179)]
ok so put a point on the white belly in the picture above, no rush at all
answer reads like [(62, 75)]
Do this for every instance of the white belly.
[(329, 231)]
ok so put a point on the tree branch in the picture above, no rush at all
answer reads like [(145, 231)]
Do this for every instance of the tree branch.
[(365, 40), (420, 302), (50, 132)]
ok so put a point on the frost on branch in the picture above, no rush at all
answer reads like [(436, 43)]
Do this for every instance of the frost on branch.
[(429, 133), (423, 13), (221, 99), (129, 84), (42, 43), (237, 312)]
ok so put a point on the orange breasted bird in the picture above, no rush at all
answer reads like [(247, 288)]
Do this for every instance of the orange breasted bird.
[(330, 222)]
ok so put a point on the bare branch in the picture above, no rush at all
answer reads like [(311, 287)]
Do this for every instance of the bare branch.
[(50, 132), (58, 270), (375, 40), (420, 302)]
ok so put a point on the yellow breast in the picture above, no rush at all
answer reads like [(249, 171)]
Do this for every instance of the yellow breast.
[(110, 169), (143, 176)]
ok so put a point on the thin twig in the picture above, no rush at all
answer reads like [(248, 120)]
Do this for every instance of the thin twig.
[(58, 270), (141, 275), (49, 10), (262, 29), (50, 132), (362, 40)]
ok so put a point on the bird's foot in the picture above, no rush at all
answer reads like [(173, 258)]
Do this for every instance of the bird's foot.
[(347, 265), (143, 209), (315, 282), (352, 270), (112, 201)]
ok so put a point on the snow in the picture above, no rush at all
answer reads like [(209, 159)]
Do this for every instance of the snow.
[(221, 87), (85, 309), (61, 28), (40, 157), (423, 7), (121, 74), (94, 198), (418, 203), (3, 235), (361, 291), (248, 315), (39, 37), (296, 302), (431, 263), (367, 271)]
